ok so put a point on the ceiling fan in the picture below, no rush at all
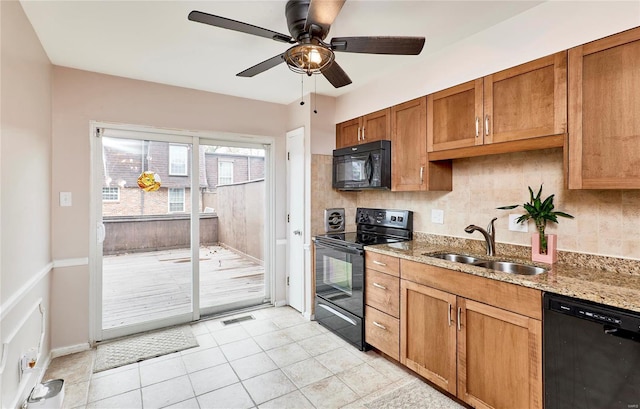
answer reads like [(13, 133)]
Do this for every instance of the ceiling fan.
[(309, 22)]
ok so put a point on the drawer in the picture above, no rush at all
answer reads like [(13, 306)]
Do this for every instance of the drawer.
[(382, 263), (382, 331), (382, 292)]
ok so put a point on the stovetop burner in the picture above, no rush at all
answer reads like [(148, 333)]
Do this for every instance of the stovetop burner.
[(364, 239), (375, 226)]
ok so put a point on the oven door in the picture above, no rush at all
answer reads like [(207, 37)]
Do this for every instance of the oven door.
[(340, 276)]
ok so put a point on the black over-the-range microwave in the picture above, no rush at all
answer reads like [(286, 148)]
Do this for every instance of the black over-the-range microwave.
[(363, 167)]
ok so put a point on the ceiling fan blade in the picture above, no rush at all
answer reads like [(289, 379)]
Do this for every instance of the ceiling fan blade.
[(336, 75), (322, 13), (379, 45), (223, 22), (262, 67)]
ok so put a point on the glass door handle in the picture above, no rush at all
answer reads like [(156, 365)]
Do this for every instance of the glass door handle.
[(101, 233)]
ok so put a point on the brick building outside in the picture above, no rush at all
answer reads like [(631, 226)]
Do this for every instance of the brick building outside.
[(126, 160)]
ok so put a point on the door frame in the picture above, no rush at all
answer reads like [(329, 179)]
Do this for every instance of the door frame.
[(303, 282), (132, 131)]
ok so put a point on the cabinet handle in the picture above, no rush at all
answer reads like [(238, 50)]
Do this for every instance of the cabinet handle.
[(379, 286), (358, 134), (477, 127), (363, 138), (421, 174), (379, 326), (449, 314), (380, 263), (459, 314), (486, 125)]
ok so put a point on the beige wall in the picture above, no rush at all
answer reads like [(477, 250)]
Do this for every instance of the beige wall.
[(324, 197), (78, 98), (25, 183), (606, 222)]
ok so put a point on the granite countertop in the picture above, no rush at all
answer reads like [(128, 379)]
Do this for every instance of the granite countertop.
[(606, 280)]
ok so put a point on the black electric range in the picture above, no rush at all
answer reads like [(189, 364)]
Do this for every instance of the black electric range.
[(340, 269)]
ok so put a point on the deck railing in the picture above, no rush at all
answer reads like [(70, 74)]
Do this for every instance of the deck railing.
[(131, 234)]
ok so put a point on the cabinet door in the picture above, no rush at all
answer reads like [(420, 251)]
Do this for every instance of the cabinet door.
[(526, 101), (348, 133), (428, 333), (454, 117), (408, 146), (604, 125), (376, 126), (499, 357)]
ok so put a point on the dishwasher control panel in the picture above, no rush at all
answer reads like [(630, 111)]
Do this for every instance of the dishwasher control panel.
[(595, 312)]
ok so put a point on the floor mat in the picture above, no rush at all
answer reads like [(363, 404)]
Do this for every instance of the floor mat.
[(416, 394), (140, 347)]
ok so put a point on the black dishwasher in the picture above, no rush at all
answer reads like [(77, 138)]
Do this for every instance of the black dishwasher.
[(591, 355)]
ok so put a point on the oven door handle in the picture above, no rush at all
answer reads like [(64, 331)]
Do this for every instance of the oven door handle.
[(337, 314), (344, 249)]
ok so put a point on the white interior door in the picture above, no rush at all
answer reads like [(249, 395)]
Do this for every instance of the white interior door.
[(295, 225)]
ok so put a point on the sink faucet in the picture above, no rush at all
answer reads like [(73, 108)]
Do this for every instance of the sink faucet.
[(489, 235)]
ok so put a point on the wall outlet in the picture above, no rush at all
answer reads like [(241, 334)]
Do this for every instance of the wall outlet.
[(437, 216), (515, 226)]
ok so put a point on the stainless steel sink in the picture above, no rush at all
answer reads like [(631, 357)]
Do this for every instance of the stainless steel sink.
[(512, 268), (458, 258)]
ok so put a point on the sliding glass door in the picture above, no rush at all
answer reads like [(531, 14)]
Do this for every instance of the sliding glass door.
[(180, 229)]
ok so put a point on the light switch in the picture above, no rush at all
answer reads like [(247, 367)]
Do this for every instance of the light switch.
[(65, 199), (515, 226), (437, 216)]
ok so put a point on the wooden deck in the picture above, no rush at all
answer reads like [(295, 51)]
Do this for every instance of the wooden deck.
[(140, 287)]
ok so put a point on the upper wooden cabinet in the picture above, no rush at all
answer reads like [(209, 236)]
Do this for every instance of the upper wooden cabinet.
[(410, 170), (454, 117), (372, 127), (514, 105), (604, 107)]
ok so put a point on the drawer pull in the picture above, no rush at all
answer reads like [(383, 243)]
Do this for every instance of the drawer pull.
[(449, 314), (459, 314), (477, 127), (380, 263), (380, 286), (379, 326)]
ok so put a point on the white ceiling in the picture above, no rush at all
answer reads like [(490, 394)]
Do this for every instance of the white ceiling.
[(154, 41)]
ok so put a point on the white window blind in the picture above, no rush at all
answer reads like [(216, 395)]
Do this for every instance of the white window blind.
[(176, 200)]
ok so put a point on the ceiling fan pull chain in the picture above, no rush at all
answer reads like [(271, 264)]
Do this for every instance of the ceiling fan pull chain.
[(315, 95), (301, 89)]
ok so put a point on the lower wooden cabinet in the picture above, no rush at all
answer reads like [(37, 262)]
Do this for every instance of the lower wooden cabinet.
[(499, 357), (382, 303), (487, 356), (428, 333), (382, 331)]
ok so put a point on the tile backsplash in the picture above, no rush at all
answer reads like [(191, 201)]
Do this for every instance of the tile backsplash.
[(606, 222)]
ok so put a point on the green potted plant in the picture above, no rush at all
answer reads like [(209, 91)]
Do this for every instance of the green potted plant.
[(543, 246)]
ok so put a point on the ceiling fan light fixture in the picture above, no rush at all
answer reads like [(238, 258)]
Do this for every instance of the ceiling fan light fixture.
[(308, 58)]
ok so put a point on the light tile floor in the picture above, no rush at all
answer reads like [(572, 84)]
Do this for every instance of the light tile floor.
[(278, 360)]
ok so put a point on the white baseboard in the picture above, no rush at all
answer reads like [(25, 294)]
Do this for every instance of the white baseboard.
[(307, 315), (280, 303), (72, 349)]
